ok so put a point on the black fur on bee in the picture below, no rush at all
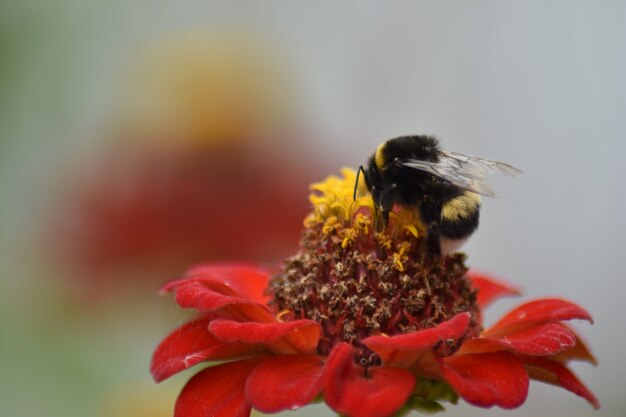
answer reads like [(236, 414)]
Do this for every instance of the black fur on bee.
[(443, 187)]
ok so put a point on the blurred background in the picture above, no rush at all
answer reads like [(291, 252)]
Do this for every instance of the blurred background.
[(140, 137)]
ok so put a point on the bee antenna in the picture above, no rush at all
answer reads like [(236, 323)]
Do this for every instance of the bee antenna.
[(356, 183)]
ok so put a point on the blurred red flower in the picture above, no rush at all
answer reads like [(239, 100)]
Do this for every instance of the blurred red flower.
[(205, 126), (275, 365)]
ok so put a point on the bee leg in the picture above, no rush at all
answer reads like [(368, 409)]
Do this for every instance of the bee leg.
[(386, 201), (433, 241), (385, 215), (381, 218)]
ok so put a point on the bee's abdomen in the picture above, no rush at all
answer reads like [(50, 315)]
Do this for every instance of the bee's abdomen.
[(459, 216)]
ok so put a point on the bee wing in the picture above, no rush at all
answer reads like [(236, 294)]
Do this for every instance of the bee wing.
[(481, 164), (464, 171)]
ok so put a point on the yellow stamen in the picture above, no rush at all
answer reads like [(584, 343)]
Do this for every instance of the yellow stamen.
[(330, 226), (349, 236), (281, 314), (411, 229), (337, 212), (400, 256)]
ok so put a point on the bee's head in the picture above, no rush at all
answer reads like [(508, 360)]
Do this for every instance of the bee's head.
[(421, 147), (373, 176)]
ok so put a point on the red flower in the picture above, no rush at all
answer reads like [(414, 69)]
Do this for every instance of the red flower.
[(275, 365), (367, 320)]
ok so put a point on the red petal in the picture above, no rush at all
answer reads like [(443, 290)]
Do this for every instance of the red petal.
[(402, 349), (248, 281), (543, 340), (214, 285), (487, 379), (210, 296), (190, 344), (536, 312), (299, 336), (217, 391), (284, 382), (489, 289), (579, 352), (552, 372), (350, 391)]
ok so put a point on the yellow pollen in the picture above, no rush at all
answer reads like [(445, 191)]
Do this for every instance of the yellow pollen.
[(330, 226), (383, 240), (333, 197), (362, 223), (349, 236), (345, 220), (400, 256)]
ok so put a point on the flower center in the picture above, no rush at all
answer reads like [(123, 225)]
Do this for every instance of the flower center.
[(357, 282)]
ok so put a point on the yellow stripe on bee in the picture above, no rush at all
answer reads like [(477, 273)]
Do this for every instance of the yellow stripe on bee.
[(379, 157), (460, 207)]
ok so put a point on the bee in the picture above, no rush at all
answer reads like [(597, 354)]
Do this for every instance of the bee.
[(444, 187)]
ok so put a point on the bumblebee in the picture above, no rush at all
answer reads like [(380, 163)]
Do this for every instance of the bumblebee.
[(444, 187)]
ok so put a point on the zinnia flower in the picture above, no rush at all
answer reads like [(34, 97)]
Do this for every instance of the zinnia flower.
[(364, 320)]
